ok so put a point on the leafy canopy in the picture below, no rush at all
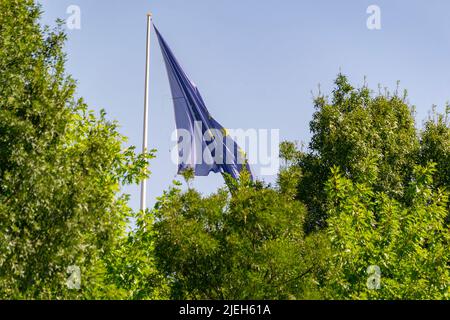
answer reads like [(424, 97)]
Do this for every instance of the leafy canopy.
[(61, 167)]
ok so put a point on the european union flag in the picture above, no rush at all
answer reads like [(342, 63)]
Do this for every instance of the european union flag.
[(203, 144)]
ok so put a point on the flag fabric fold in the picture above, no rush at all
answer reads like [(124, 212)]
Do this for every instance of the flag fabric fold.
[(203, 144)]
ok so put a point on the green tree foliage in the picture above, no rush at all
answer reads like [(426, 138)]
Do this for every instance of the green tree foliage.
[(435, 146), (408, 243), (61, 168), (131, 267), (244, 245), (370, 138), (290, 173)]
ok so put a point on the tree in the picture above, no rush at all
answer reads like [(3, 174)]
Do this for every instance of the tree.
[(247, 244), (435, 147), (374, 235), (131, 267), (61, 168), (370, 138)]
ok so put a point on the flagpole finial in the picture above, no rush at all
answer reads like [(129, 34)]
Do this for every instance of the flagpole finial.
[(149, 14)]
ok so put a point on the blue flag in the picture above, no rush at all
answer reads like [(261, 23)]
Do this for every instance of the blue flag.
[(203, 144)]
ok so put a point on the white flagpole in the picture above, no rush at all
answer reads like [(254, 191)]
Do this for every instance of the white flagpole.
[(145, 138)]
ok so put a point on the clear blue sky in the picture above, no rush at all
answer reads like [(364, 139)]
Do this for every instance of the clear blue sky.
[(256, 62)]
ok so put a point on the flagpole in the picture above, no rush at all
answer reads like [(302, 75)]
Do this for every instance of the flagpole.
[(146, 99)]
